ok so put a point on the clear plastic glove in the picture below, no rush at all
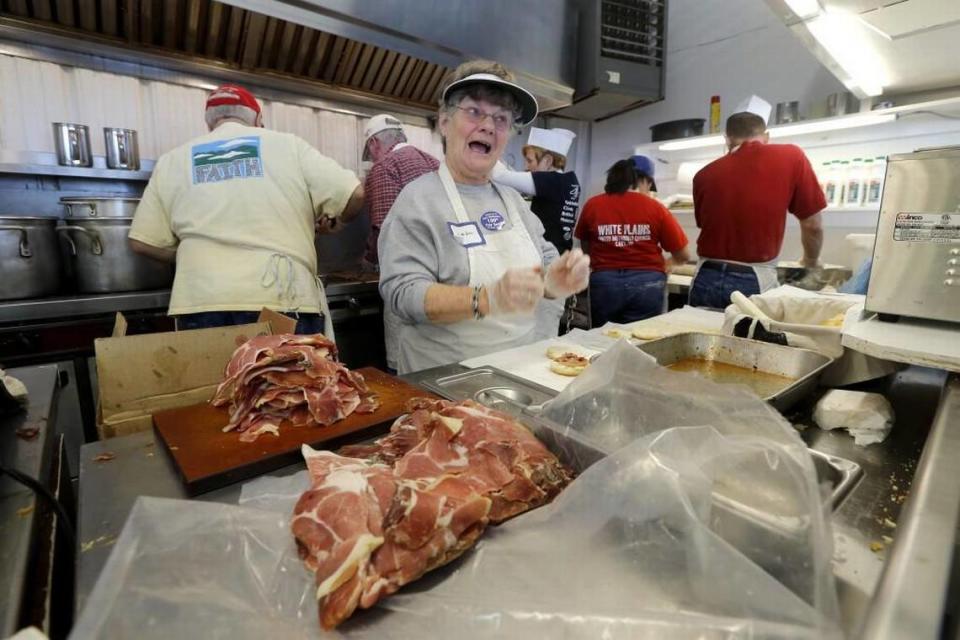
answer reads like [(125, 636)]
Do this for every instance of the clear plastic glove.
[(568, 274), (517, 291)]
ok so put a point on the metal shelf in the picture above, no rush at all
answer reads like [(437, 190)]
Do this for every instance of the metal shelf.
[(72, 172), (42, 163)]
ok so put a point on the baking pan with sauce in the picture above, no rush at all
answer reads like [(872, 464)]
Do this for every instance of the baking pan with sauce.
[(780, 375), (760, 382)]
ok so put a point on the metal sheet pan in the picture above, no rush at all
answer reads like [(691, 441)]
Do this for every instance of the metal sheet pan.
[(804, 366)]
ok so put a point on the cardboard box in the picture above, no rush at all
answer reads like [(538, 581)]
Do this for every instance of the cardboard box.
[(139, 375)]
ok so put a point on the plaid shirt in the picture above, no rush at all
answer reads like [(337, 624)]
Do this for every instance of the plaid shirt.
[(386, 180)]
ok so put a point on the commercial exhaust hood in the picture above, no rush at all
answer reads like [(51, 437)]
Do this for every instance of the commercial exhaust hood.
[(584, 59), (881, 47), (535, 43)]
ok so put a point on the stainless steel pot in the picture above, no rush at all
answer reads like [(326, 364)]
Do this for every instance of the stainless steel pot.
[(123, 152), (842, 103), (29, 258), (73, 144), (100, 207), (787, 112), (104, 262)]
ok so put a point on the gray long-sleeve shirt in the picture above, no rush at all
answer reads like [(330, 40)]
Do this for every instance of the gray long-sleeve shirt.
[(417, 250)]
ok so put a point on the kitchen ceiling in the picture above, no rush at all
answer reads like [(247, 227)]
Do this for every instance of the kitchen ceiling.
[(907, 46), (238, 38)]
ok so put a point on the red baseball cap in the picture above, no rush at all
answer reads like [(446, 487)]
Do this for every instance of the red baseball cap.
[(232, 94)]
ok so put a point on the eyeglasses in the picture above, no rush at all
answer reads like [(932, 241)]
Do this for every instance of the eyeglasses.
[(502, 120)]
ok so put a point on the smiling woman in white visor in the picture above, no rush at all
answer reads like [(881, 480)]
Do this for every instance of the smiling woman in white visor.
[(463, 261)]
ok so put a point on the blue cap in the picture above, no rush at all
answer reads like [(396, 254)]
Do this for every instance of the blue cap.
[(645, 167)]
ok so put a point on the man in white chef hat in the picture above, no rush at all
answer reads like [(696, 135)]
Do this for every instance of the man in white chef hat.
[(556, 200), (741, 202)]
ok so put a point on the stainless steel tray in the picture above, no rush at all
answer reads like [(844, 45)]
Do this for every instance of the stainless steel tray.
[(802, 365), (504, 392), (767, 523)]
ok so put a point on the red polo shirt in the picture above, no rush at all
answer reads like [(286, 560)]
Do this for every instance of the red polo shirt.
[(741, 200), (627, 231)]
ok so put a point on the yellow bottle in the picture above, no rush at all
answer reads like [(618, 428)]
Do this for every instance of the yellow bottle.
[(715, 114)]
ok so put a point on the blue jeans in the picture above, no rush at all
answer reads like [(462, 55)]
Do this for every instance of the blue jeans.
[(711, 288), (626, 295), (307, 323)]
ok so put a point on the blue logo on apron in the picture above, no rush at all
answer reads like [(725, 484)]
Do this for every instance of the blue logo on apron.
[(492, 221)]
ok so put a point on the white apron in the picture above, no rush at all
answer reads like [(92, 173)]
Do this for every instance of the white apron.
[(279, 275), (503, 250)]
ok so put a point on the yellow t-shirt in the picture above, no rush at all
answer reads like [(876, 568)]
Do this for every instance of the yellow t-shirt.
[(239, 205)]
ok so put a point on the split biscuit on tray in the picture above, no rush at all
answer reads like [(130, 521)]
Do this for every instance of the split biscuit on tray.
[(566, 361)]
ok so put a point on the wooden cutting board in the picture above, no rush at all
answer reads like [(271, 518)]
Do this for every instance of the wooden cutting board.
[(207, 458)]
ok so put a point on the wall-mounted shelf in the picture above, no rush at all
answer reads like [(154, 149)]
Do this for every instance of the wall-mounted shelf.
[(946, 106), (850, 210), (45, 164), (73, 172)]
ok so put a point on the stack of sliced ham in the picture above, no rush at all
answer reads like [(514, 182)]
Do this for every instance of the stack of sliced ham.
[(415, 500), (296, 378)]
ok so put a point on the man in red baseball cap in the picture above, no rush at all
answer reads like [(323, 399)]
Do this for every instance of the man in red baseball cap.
[(232, 101), (236, 210)]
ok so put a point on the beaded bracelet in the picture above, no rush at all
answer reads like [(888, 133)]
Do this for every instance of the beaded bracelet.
[(475, 303)]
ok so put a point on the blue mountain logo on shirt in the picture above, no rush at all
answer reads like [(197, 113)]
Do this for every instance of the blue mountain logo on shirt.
[(226, 160)]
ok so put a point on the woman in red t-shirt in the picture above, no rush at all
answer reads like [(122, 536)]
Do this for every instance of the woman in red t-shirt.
[(625, 231)]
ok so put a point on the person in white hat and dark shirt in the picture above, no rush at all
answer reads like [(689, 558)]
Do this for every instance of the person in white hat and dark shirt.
[(555, 200), (395, 165), (556, 193), (463, 260), (740, 204)]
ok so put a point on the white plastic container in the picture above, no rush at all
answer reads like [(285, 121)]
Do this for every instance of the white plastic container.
[(875, 175), (854, 184), (833, 184)]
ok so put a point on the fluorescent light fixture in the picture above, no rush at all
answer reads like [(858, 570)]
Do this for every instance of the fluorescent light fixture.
[(804, 8), (819, 126), (691, 143), (793, 129), (845, 38)]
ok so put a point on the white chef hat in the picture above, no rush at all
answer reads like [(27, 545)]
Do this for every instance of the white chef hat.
[(757, 106), (556, 140)]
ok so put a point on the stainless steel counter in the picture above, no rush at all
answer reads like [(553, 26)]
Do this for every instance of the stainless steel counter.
[(19, 515), (864, 563), (108, 489), (65, 307), (872, 514)]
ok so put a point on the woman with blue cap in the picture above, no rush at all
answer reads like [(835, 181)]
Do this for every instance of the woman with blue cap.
[(625, 231)]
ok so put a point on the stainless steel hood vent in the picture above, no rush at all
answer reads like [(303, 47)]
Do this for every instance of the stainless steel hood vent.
[(235, 38)]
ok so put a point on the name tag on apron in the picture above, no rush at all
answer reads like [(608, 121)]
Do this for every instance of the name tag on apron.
[(467, 234)]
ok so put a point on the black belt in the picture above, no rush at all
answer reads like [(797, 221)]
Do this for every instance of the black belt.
[(726, 266)]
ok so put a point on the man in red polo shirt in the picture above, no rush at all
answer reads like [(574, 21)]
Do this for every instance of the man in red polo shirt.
[(740, 204)]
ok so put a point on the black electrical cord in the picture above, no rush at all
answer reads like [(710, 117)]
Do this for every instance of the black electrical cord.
[(62, 518)]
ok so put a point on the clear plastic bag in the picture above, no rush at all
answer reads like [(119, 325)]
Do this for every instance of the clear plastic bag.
[(192, 569), (704, 522)]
